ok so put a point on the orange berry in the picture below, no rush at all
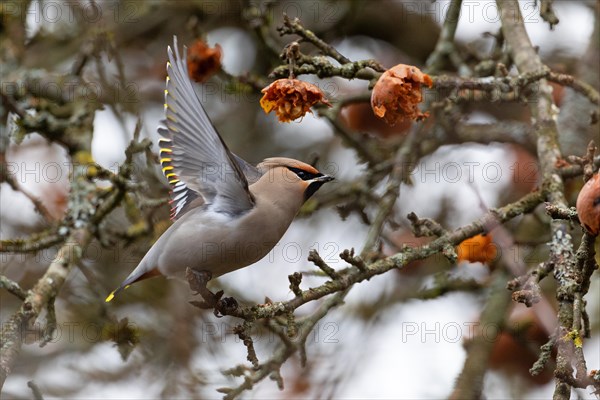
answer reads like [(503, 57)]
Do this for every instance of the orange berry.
[(588, 205), (291, 98), (360, 118), (398, 92), (512, 349), (203, 61), (479, 248)]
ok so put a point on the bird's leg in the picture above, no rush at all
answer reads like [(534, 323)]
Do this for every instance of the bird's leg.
[(197, 281)]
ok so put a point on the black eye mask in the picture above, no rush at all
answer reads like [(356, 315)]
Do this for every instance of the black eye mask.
[(304, 175)]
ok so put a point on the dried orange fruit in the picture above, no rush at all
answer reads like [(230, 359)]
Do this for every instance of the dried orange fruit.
[(397, 94), (203, 61), (291, 98), (360, 117), (588, 205), (478, 248)]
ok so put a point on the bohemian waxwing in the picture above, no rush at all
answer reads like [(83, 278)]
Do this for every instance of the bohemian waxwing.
[(228, 213)]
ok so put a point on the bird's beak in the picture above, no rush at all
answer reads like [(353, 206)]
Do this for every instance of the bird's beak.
[(323, 179), (314, 185)]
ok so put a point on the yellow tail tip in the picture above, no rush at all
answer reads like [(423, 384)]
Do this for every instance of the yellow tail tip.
[(114, 292)]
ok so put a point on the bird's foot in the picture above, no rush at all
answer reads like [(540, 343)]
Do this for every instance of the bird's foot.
[(197, 281)]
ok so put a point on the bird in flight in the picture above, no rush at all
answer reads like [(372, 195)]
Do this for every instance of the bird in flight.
[(228, 213)]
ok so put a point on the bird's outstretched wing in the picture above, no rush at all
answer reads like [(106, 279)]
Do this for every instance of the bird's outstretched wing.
[(194, 157)]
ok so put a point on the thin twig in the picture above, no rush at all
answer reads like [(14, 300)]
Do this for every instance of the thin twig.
[(12, 287), (547, 13), (293, 26), (37, 393), (445, 44), (37, 203)]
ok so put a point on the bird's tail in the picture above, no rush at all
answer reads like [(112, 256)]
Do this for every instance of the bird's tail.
[(130, 281)]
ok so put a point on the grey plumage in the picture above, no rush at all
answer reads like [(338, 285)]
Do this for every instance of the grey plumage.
[(228, 214)]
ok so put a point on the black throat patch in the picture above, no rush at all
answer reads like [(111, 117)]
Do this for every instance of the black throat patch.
[(311, 189)]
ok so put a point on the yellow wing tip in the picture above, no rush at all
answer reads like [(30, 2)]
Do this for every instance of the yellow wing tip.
[(110, 297)]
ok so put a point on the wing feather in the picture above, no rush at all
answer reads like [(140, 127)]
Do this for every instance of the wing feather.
[(194, 153)]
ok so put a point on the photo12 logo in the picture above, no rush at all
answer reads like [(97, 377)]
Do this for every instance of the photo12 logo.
[(71, 11), (70, 90), (448, 332)]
